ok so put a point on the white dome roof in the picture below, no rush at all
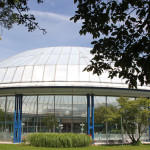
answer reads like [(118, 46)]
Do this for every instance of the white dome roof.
[(54, 66)]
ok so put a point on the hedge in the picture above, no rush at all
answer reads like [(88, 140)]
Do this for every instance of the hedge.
[(59, 140)]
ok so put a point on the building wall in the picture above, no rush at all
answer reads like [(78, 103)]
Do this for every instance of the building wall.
[(61, 113)]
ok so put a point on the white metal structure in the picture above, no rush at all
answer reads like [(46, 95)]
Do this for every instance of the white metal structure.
[(59, 70)]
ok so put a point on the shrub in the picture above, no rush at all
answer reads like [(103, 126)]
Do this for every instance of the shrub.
[(59, 140), (136, 143)]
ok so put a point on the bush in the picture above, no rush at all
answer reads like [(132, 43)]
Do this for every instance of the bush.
[(136, 143), (59, 140)]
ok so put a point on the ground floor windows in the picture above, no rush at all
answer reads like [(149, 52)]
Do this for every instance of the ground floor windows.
[(62, 113)]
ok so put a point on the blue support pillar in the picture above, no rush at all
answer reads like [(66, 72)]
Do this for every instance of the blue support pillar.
[(18, 119), (88, 114), (15, 121), (92, 99), (90, 120)]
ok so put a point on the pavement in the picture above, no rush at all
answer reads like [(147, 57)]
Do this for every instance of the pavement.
[(3, 142)]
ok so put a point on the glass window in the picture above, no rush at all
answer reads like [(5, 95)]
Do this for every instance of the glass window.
[(94, 77), (18, 74), (79, 114), (46, 104), (66, 51), (46, 118), (84, 75), (73, 73), (49, 73), (74, 60), (38, 73), (42, 60), (61, 73), (57, 50), (84, 50), (114, 126), (9, 117), (48, 51), (33, 60), (29, 105), (52, 60), (99, 118), (83, 60), (2, 73), (104, 77), (74, 51), (2, 103), (63, 60), (27, 75), (24, 60), (63, 113), (9, 75)]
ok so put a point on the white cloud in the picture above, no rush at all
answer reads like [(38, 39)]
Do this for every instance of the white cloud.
[(60, 32), (51, 15)]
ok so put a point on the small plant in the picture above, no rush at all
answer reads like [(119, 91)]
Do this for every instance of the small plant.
[(59, 140), (24, 138), (136, 143)]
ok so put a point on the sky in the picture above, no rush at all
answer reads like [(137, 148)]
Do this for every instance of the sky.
[(52, 15)]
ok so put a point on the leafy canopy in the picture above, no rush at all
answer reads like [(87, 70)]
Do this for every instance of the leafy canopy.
[(3, 115), (121, 29), (16, 11), (135, 115), (104, 114), (50, 120)]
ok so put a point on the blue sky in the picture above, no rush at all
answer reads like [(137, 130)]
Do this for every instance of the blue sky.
[(54, 16)]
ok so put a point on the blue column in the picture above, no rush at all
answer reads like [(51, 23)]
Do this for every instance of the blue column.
[(18, 119), (92, 99), (15, 121), (90, 120), (88, 114)]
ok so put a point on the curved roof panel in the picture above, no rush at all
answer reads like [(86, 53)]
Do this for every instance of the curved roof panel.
[(54, 66)]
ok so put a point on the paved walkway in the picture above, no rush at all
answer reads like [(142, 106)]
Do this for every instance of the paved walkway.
[(3, 142), (116, 144)]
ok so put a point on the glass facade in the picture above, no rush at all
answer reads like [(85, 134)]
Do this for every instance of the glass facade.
[(61, 114)]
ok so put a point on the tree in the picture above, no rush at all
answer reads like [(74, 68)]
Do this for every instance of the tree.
[(135, 115), (109, 114), (104, 114), (16, 12), (2, 116), (121, 29), (50, 120)]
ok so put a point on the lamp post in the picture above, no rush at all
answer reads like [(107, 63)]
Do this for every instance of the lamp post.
[(82, 125)]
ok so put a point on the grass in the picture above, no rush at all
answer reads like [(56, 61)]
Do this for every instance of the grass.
[(25, 147)]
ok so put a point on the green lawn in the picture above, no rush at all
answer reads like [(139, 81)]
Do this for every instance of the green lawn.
[(125, 147)]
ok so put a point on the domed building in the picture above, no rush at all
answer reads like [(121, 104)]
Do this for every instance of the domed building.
[(46, 90)]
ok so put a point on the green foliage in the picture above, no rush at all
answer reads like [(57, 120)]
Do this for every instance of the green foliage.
[(2, 116), (109, 114), (50, 121), (136, 143), (103, 114), (15, 11), (59, 140), (135, 115), (121, 30)]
